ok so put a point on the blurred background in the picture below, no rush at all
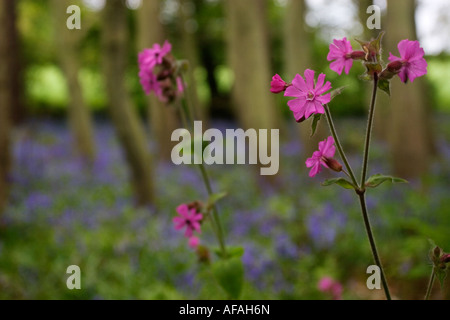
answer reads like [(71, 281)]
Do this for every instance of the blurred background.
[(85, 170)]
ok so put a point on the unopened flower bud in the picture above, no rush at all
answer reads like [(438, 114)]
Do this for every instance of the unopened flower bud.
[(278, 85), (197, 205), (445, 258), (395, 66), (358, 55), (333, 164), (391, 70), (203, 254), (437, 252)]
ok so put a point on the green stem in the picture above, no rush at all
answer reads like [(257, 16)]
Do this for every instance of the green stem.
[(369, 131), (215, 221), (218, 225), (338, 144), (431, 283), (373, 246)]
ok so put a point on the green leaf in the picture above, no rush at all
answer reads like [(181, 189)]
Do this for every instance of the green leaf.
[(385, 85), (365, 77), (337, 92), (441, 274), (231, 252), (340, 182), (315, 121), (229, 273), (214, 198), (375, 180)]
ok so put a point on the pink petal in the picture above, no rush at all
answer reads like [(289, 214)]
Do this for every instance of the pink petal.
[(324, 100), (293, 91), (167, 47), (326, 147), (309, 76), (403, 74), (196, 226), (417, 69), (393, 58), (315, 170), (297, 105), (193, 242), (348, 65), (337, 66), (188, 232), (313, 160), (324, 89), (299, 83), (410, 50), (319, 83), (310, 108), (183, 210)]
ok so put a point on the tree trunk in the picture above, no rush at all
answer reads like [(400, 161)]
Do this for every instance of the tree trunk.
[(249, 59), (298, 59), (409, 131), (7, 26), (80, 120), (189, 45), (163, 120), (128, 127)]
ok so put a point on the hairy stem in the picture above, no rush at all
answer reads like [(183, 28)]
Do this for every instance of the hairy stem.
[(338, 144), (369, 131), (215, 221), (431, 283), (373, 246)]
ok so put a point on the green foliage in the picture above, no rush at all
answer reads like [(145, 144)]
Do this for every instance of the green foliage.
[(377, 179), (340, 182), (229, 273)]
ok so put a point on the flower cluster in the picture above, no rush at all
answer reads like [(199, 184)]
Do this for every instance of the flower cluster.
[(311, 97), (190, 218), (157, 72), (323, 157)]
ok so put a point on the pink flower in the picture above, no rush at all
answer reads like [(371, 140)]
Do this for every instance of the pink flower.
[(188, 218), (149, 82), (193, 242), (330, 286), (277, 84), (149, 58), (411, 57), (321, 157), (310, 96), (341, 52)]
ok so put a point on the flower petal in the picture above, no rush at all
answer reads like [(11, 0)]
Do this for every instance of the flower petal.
[(315, 170), (297, 105), (309, 76), (299, 83)]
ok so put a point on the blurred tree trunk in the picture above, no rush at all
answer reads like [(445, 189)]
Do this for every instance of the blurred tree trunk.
[(163, 120), (249, 59), (409, 128), (18, 111), (7, 25), (80, 120), (190, 45), (298, 59), (129, 129)]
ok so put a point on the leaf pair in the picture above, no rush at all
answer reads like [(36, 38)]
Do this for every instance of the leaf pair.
[(373, 182)]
